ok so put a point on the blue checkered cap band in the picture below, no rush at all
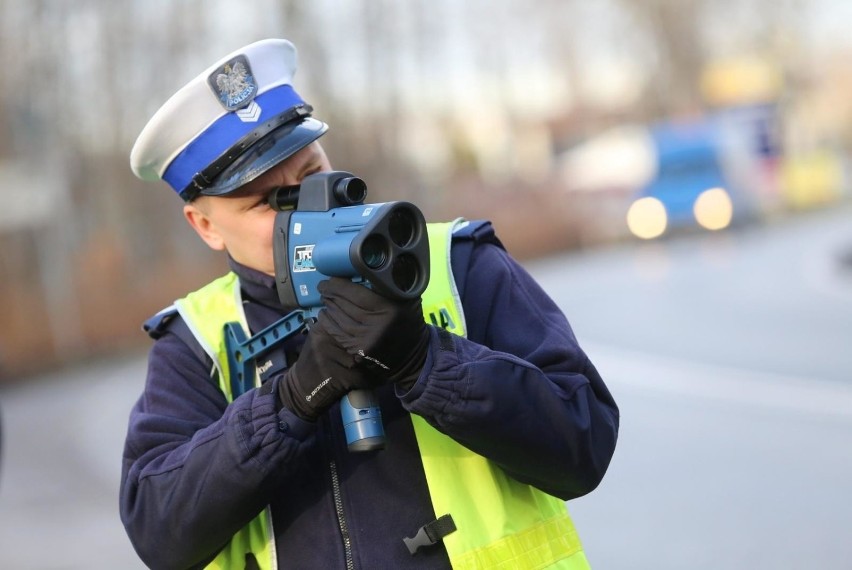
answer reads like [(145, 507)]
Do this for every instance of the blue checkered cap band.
[(201, 139)]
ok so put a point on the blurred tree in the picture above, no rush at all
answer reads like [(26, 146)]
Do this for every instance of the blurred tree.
[(674, 27), (685, 35)]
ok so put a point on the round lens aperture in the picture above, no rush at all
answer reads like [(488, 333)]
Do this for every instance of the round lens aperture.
[(405, 272), (402, 227), (374, 251)]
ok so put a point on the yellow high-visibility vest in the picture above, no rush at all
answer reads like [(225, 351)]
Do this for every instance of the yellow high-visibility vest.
[(501, 523)]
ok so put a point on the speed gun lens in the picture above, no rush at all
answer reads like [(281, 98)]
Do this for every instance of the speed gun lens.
[(402, 227), (374, 251), (405, 272)]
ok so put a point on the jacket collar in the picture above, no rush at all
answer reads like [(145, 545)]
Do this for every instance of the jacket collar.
[(256, 285)]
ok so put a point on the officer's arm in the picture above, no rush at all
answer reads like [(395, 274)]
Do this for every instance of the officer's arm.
[(195, 470), (519, 390)]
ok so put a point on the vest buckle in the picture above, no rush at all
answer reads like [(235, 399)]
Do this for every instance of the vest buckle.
[(430, 533)]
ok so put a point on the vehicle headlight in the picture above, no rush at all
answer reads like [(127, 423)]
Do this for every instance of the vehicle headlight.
[(713, 209), (647, 218)]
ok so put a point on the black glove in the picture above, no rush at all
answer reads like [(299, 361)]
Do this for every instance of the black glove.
[(322, 375), (387, 336)]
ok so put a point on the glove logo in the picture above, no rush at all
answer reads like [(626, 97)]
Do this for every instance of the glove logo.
[(317, 389), (371, 359)]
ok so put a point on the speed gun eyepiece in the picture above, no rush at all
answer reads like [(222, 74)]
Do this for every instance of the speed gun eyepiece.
[(344, 191), (284, 197), (349, 191)]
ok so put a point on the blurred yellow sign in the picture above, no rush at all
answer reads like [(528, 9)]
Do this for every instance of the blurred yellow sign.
[(811, 179), (740, 80)]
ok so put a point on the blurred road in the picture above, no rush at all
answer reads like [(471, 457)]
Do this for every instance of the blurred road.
[(729, 355), (60, 467)]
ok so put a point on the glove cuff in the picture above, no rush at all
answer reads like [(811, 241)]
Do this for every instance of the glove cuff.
[(408, 374), (291, 398)]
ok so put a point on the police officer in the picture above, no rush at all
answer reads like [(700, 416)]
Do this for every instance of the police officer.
[(494, 415)]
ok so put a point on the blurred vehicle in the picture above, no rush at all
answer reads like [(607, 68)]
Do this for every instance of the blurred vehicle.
[(710, 173)]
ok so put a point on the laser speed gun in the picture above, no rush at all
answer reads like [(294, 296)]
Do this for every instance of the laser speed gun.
[(324, 229)]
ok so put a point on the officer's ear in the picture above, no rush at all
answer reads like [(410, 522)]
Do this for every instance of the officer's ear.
[(198, 217)]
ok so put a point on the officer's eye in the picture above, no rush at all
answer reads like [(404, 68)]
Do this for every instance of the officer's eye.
[(262, 201), (311, 169)]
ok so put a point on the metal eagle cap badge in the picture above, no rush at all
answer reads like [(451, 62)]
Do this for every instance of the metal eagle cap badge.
[(233, 83)]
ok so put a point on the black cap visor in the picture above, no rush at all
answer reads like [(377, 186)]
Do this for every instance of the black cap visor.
[(274, 147)]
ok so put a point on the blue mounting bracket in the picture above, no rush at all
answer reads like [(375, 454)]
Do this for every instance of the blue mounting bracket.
[(243, 351)]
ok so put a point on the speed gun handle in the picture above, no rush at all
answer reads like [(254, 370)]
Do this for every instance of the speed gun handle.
[(359, 410), (362, 421)]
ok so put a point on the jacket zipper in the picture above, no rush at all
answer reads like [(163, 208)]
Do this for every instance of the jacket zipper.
[(341, 518)]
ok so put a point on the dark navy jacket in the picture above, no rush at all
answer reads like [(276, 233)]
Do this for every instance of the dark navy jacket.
[(518, 390)]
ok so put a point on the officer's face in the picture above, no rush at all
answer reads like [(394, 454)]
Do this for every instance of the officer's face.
[(242, 222)]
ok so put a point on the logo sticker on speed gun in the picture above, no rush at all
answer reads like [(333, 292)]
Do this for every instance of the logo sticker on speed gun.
[(303, 258)]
